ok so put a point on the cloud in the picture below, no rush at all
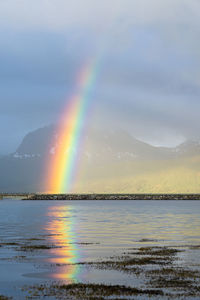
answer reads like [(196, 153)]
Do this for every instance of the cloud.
[(149, 80), (57, 15)]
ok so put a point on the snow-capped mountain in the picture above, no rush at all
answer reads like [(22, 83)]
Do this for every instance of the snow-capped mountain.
[(106, 156), (97, 144)]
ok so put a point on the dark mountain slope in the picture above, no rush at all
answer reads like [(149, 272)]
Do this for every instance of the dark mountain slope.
[(110, 161)]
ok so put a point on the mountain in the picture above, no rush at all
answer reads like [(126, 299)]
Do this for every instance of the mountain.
[(97, 144), (189, 148), (35, 144), (109, 161)]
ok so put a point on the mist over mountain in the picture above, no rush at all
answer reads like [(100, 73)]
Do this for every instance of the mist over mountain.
[(109, 161), (35, 143)]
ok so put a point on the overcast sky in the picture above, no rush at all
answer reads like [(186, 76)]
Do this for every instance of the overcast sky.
[(149, 78)]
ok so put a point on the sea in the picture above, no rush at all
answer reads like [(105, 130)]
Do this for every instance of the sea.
[(48, 241)]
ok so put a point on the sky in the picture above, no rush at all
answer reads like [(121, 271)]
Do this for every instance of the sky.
[(149, 77)]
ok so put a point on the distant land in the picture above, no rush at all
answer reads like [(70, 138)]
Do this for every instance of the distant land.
[(109, 162)]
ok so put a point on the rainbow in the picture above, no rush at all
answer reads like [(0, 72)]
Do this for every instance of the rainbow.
[(63, 161)]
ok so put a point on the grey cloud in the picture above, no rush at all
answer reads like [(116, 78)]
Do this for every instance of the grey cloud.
[(39, 57), (148, 81)]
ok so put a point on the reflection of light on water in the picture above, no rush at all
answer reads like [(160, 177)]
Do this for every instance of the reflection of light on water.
[(60, 230)]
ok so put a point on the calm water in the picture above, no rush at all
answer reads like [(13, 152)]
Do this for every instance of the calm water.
[(87, 231)]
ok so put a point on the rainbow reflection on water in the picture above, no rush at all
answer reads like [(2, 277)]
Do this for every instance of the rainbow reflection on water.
[(62, 235)]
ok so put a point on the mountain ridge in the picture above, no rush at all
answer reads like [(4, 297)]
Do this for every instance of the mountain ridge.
[(110, 161), (37, 142)]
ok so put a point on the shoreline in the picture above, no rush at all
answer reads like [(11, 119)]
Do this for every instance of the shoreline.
[(112, 197), (71, 197)]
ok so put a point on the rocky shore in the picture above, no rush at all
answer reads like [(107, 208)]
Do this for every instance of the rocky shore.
[(113, 197), (15, 195)]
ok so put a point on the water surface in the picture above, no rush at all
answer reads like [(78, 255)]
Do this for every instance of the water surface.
[(85, 231)]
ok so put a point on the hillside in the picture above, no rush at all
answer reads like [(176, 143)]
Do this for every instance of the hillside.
[(108, 162), (169, 176)]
